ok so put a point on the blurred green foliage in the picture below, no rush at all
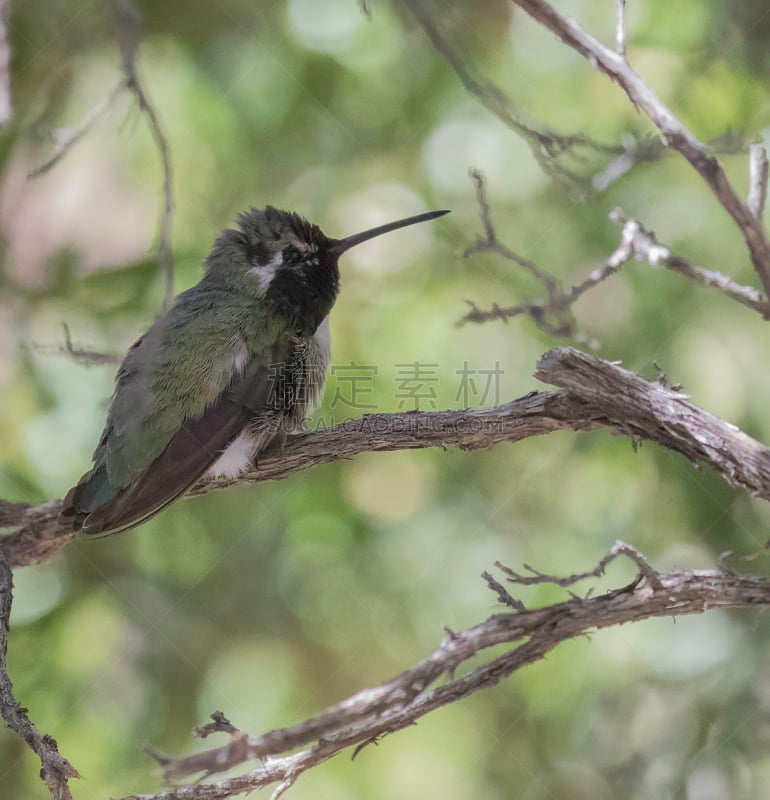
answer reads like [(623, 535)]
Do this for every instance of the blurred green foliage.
[(270, 602)]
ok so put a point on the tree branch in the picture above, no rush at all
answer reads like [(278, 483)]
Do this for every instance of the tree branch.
[(56, 770), (66, 138), (596, 394), (400, 702), (86, 358), (657, 412), (673, 132), (548, 146), (644, 245), (758, 174), (637, 150), (127, 23), (553, 314), (491, 243)]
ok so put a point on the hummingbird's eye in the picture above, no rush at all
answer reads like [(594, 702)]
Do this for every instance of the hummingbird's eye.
[(292, 256)]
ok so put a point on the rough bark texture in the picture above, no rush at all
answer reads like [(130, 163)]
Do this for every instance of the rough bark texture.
[(595, 393), (55, 770), (364, 717), (674, 134)]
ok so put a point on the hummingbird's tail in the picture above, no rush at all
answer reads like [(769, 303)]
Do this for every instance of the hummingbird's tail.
[(93, 490), (98, 507)]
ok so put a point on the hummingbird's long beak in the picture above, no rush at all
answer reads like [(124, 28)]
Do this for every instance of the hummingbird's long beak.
[(339, 246)]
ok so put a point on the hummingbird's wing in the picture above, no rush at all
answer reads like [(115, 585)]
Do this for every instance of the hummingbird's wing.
[(195, 446)]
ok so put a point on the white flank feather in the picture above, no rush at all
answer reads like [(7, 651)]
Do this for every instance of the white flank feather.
[(237, 458)]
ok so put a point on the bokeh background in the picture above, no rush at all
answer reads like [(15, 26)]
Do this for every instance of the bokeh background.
[(270, 602)]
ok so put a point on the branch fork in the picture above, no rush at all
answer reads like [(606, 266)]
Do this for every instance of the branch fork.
[(366, 716), (674, 134)]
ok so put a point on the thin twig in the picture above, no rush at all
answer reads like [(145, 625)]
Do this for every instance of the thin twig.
[(618, 549), (127, 25), (644, 245), (758, 174), (548, 147), (673, 132), (364, 717), (644, 149), (67, 138), (88, 358), (283, 787), (503, 595), (552, 314), (56, 770), (490, 242)]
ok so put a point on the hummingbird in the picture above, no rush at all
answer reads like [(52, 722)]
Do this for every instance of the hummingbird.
[(236, 363)]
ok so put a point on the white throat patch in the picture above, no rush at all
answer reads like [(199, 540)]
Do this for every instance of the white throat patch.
[(265, 273)]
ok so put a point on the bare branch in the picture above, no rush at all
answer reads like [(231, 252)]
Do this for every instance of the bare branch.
[(392, 706), (537, 310), (654, 412), (618, 549), (88, 358), (548, 147), (673, 133), (643, 244), (11, 513), (365, 9), (38, 537), (490, 242), (219, 724), (758, 173), (127, 22), (127, 18), (596, 394), (645, 149), (553, 314), (56, 770), (503, 595), (637, 151), (67, 138)]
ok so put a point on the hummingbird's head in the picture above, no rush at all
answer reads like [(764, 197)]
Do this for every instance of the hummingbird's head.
[(286, 261)]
